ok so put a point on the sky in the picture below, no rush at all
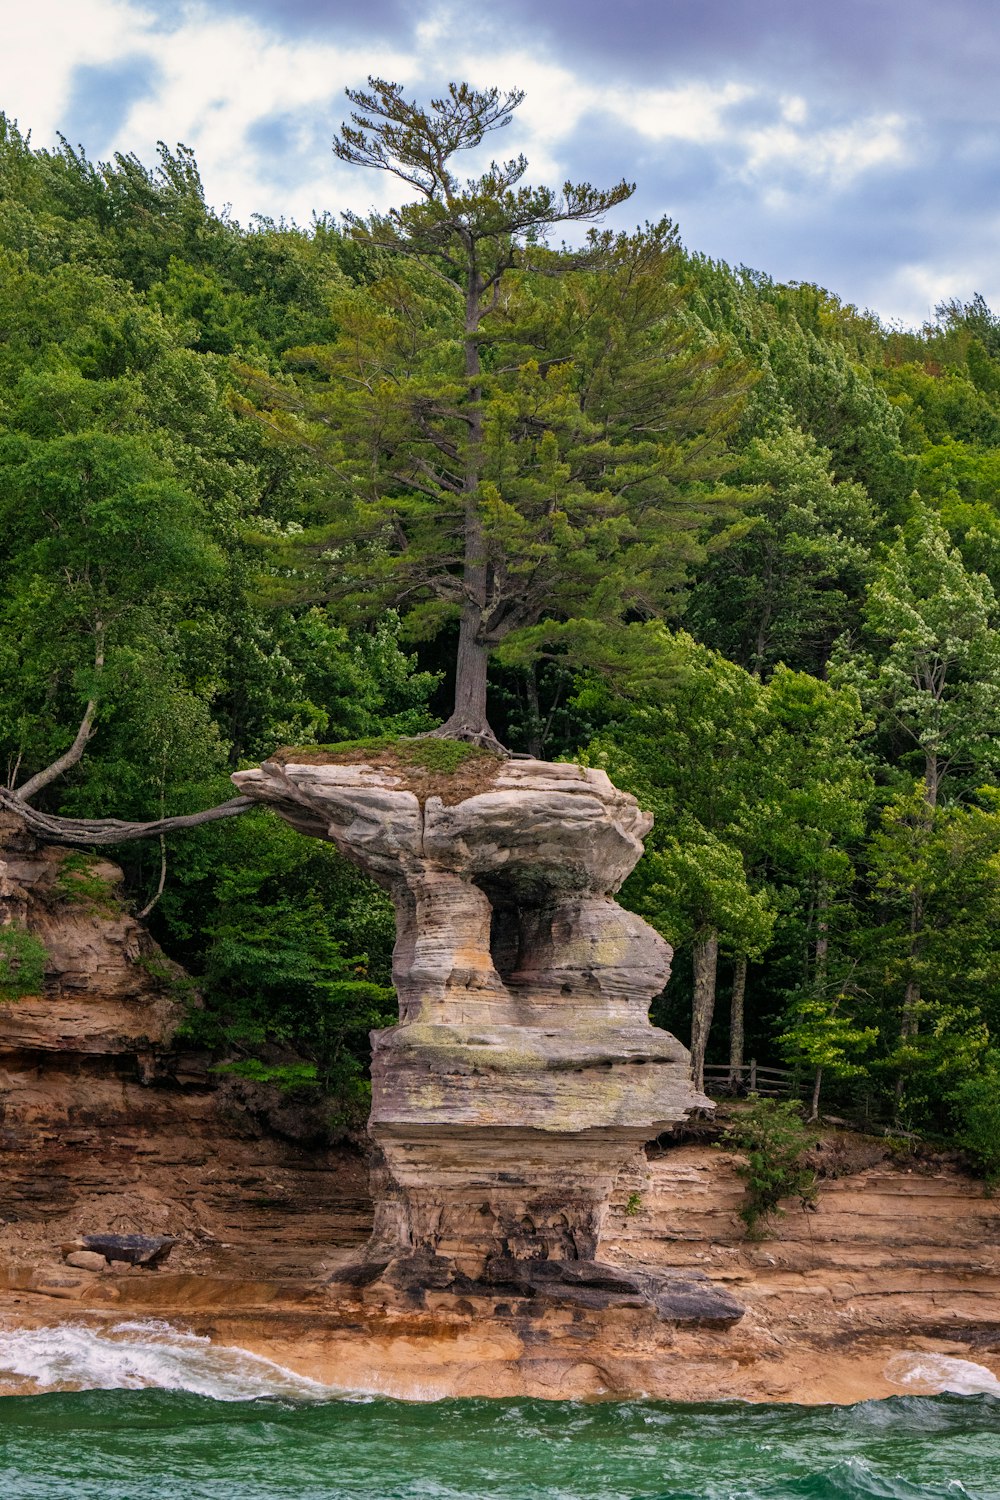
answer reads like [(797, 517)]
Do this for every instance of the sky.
[(853, 143)]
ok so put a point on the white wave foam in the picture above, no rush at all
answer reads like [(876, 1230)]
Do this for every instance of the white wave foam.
[(934, 1373), (144, 1355)]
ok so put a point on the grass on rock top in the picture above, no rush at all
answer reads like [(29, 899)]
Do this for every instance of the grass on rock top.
[(429, 767)]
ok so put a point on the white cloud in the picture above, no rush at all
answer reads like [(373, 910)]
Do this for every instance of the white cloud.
[(42, 48), (910, 293), (216, 78), (794, 109), (838, 154), (555, 104), (219, 76), (695, 112)]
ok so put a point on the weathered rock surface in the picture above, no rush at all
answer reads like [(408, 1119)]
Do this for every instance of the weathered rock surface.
[(524, 1076), (894, 1260), (108, 1124), (108, 986), (84, 1260)]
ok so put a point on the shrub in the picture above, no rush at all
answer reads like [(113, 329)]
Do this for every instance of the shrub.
[(976, 1103), (774, 1139), (22, 962), (77, 882)]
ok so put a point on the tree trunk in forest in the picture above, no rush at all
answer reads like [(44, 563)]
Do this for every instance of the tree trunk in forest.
[(817, 1086), (74, 754), (468, 720), (822, 956), (706, 964), (822, 936), (535, 739), (911, 997), (932, 778), (909, 1022), (736, 1026)]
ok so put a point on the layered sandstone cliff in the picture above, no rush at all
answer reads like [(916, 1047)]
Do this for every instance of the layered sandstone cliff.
[(109, 1121), (897, 1261), (108, 989), (107, 1125)]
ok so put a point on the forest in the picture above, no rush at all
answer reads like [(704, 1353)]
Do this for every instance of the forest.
[(735, 541)]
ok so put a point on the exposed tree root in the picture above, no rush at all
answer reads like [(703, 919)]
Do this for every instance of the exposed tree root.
[(470, 734), (105, 831)]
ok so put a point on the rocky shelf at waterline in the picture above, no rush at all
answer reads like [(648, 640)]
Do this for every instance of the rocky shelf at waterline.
[(897, 1258)]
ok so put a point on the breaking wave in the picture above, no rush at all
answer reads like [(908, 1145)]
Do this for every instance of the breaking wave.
[(935, 1374), (144, 1411), (146, 1355)]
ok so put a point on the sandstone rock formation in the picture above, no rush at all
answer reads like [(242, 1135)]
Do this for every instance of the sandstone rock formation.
[(109, 990), (898, 1257), (110, 1121), (524, 1076)]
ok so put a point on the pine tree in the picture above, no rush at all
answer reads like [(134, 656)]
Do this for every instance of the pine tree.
[(517, 433)]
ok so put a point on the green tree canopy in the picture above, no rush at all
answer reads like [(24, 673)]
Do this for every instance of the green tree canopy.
[(514, 433)]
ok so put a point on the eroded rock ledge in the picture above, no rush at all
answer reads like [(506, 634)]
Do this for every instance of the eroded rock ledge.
[(109, 990), (524, 1077)]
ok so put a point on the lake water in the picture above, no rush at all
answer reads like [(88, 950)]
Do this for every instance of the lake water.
[(169, 1415)]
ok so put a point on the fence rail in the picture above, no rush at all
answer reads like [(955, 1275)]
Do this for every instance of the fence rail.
[(751, 1078)]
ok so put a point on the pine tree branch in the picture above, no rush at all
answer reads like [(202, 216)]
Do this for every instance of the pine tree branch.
[(83, 734)]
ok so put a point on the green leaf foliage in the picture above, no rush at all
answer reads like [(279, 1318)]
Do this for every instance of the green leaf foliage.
[(22, 962), (773, 1139), (730, 539)]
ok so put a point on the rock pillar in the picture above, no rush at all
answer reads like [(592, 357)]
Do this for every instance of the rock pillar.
[(524, 1075)]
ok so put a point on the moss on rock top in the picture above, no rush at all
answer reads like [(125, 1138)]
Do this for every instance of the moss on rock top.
[(428, 767)]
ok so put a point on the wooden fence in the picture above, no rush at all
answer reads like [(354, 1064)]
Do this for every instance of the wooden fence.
[(751, 1078)]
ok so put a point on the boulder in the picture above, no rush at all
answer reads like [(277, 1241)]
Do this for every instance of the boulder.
[(146, 1250), (85, 1260)]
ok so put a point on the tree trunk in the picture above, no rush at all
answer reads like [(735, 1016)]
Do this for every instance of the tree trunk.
[(911, 997), (822, 936), (817, 1085), (535, 740), (706, 964), (822, 956), (468, 720), (736, 1028), (909, 1022), (75, 752), (932, 778)]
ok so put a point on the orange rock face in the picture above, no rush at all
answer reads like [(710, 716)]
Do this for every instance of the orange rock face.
[(106, 1125), (110, 1123), (107, 984)]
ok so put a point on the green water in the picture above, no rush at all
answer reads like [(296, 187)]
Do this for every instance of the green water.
[(155, 1444)]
